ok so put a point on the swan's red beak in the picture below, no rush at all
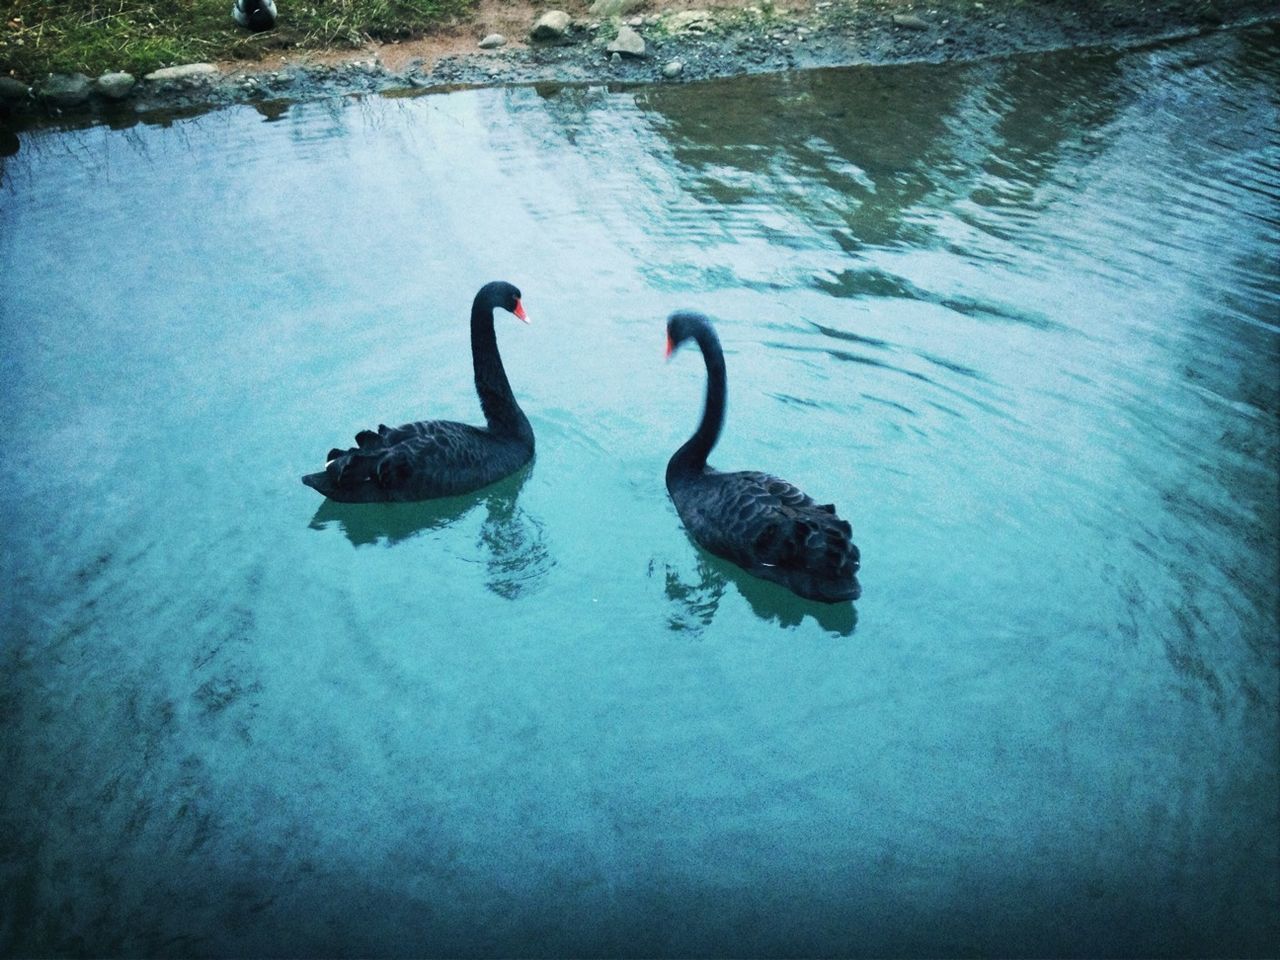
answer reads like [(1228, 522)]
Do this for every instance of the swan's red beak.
[(519, 312), (670, 347)]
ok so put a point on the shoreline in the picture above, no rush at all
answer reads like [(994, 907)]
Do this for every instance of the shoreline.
[(680, 44)]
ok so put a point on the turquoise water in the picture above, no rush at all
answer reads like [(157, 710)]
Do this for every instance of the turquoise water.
[(1017, 319)]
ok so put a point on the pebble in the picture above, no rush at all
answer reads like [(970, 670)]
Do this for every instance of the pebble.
[(698, 21), (115, 86), (627, 41), (65, 90), (552, 25), (910, 21), (188, 71), (612, 8), (11, 89), (672, 69), (493, 41)]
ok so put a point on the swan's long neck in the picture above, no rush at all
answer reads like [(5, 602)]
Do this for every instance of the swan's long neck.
[(692, 457), (501, 411)]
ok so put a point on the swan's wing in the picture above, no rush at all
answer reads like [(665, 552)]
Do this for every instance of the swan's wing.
[(385, 437), (756, 519), (391, 456)]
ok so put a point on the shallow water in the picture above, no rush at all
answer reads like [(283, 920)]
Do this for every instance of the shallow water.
[(1018, 319)]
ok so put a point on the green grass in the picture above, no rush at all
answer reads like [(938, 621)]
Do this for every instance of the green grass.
[(93, 36)]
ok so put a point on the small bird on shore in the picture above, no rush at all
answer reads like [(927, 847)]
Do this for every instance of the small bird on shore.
[(256, 15)]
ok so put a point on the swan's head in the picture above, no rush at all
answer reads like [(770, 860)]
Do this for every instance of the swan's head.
[(504, 295), (686, 325)]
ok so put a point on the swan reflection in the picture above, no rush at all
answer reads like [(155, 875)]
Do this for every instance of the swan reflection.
[(697, 601), (513, 543)]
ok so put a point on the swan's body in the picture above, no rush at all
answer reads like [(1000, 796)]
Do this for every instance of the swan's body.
[(765, 525), (441, 458), (255, 14)]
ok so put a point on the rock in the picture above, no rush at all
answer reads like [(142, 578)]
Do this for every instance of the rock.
[(627, 41), (615, 58), (552, 25), (493, 41), (192, 72), (66, 90), (909, 21), (114, 86), (689, 20), (672, 69), (11, 89), (613, 8)]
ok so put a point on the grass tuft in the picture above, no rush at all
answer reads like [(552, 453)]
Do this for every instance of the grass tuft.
[(38, 37)]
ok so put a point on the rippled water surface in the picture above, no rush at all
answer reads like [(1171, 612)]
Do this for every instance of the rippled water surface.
[(1018, 319)]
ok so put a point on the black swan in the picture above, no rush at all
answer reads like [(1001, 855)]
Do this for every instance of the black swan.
[(768, 527), (441, 458), (256, 15)]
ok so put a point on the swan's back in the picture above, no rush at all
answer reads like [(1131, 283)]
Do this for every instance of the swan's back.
[(772, 529), (418, 461)]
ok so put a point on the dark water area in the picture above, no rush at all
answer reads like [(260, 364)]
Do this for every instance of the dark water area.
[(1018, 319)]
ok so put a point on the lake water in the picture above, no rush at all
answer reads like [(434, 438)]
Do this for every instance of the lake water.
[(1018, 319)]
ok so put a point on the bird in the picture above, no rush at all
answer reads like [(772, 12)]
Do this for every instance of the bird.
[(256, 15), (765, 525), (441, 458)]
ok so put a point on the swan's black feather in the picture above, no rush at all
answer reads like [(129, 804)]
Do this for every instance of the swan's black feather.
[(418, 461), (772, 529)]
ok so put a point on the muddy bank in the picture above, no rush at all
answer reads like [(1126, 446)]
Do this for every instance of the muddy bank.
[(671, 45)]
